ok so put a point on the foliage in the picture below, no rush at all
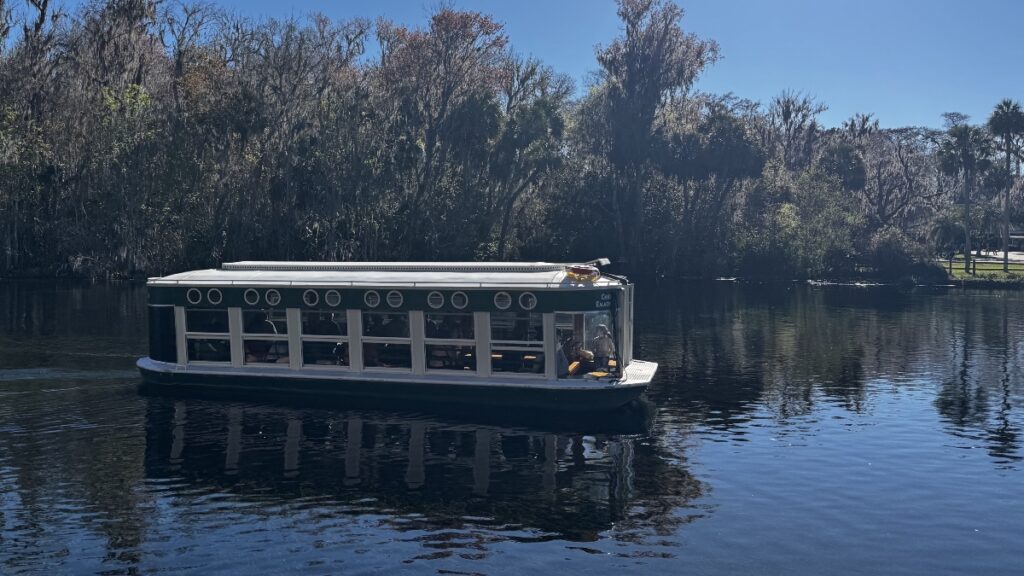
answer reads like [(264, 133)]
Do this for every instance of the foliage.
[(138, 137)]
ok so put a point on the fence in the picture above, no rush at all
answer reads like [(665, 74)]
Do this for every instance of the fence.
[(983, 265)]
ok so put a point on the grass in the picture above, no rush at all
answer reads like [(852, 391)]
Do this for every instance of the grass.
[(986, 271)]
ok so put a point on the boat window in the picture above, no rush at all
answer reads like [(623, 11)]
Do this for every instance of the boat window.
[(504, 359), (386, 342), (459, 300), (451, 357), (252, 297), (322, 353), (273, 297), (450, 341), (311, 298), (519, 327), (371, 298), (324, 323), (332, 298), (209, 350), (265, 337), (395, 299), (207, 338), (325, 338), (458, 326), (264, 322), (208, 321), (214, 296), (502, 300), (517, 342), (387, 355), (435, 300), (386, 324), (586, 344), (527, 301), (265, 351)]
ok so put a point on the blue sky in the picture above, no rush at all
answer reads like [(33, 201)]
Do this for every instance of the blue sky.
[(906, 61)]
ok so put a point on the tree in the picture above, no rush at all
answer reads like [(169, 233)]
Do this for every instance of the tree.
[(437, 82), (899, 165), (655, 61), (964, 151), (793, 127), (1007, 123)]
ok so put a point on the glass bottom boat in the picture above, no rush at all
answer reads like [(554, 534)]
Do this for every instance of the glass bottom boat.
[(555, 336)]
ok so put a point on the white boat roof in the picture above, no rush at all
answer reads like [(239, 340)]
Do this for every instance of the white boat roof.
[(401, 274)]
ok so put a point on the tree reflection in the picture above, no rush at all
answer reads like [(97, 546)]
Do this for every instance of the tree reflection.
[(69, 473), (727, 351)]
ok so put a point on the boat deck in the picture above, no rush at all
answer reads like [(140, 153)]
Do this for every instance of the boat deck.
[(638, 373)]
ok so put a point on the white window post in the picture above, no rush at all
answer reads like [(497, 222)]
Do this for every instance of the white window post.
[(418, 351), (235, 335), (482, 328), (550, 347), (355, 339), (294, 319), (179, 335)]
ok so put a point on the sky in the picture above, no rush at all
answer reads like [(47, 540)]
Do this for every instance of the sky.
[(905, 61)]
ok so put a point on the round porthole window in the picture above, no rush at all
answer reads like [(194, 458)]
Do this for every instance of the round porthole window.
[(251, 297), (194, 296), (502, 300), (460, 300), (214, 296), (371, 298), (333, 298), (395, 299), (435, 300), (527, 301), (310, 297), (273, 297)]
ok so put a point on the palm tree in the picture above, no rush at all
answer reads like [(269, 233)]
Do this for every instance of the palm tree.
[(1007, 123), (964, 151)]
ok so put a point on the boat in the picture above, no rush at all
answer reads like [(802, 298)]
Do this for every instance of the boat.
[(541, 335)]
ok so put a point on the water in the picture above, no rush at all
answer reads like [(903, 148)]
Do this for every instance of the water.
[(795, 430)]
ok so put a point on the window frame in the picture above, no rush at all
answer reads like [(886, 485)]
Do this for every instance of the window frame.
[(199, 335), (539, 347), (435, 341), (364, 340), (615, 330), (276, 338), (330, 338)]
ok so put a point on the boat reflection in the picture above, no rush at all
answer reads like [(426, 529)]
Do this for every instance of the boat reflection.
[(419, 470)]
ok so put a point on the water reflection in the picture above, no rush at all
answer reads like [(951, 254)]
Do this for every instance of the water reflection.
[(726, 353), (767, 395), (71, 325), (424, 472)]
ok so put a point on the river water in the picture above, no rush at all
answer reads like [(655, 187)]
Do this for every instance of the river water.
[(791, 430)]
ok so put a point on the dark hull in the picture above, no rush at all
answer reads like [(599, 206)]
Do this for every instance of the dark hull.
[(549, 399)]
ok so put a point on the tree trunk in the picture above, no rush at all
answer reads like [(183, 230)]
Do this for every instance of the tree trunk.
[(620, 225), (968, 182), (1006, 212)]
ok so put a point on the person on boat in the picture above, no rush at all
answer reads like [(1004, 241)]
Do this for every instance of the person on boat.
[(603, 347), (563, 361), (580, 361), (340, 354), (432, 328)]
